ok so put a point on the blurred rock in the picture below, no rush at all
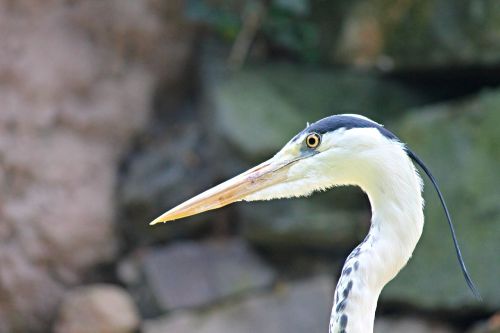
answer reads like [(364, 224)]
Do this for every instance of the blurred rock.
[(460, 143), (309, 222), (130, 273), (409, 325), (76, 83), (297, 307), (153, 32), (490, 326), (97, 308), (164, 173), (418, 34), (276, 101), (192, 274)]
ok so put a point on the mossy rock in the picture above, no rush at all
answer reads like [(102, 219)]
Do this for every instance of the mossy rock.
[(259, 109), (461, 144), (419, 34), (310, 223)]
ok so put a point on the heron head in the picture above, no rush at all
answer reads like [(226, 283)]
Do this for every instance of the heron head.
[(337, 150)]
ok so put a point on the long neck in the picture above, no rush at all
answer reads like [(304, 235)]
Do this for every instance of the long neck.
[(397, 223)]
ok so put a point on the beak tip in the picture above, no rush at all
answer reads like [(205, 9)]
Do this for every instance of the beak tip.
[(156, 221), (164, 218)]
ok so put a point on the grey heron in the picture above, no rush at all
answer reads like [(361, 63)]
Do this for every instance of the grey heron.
[(336, 151)]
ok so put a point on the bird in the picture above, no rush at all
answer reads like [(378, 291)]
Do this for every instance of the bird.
[(345, 150)]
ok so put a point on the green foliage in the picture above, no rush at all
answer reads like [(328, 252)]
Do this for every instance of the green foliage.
[(287, 24), (222, 18), (292, 30)]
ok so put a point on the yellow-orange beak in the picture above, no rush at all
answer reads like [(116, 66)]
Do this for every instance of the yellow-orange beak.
[(232, 190)]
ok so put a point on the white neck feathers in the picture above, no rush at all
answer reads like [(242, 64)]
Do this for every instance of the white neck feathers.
[(394, 191)]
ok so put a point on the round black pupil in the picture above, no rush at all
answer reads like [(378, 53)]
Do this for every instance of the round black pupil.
[(312, 140)]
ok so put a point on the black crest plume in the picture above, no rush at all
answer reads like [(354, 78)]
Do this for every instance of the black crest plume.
[(467, 277)]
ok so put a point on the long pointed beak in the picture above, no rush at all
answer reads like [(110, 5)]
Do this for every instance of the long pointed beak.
[(232, 190)]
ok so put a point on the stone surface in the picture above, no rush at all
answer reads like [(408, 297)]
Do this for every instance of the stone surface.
[(76, 84), (97, 308), (409, 325), (418, 34), (308, 222), (276, 102), (297, 307), (411, 35), (492, 325), (460, 143), (170, 169), (191, 274)]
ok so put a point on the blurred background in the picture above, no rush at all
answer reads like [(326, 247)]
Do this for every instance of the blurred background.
[(112, 112)]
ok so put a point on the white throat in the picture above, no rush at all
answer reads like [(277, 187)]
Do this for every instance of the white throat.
[(396, 226)]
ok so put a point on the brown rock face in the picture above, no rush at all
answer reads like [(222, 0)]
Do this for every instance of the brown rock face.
[(98, 308), (492, 325), (204, 273), (76, 82), (296, 307)]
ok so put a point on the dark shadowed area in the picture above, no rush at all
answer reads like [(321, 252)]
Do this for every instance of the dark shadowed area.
[(114, 111)]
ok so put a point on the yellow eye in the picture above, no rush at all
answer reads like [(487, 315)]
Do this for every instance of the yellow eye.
[(313, 140)]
